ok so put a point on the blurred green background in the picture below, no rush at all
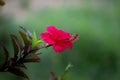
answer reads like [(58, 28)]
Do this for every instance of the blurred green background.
[(95, 56)]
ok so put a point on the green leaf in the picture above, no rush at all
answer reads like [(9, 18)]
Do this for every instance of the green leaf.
[(34, 37), (31, 58), (68, 67), (35, 44), (25, 38), (17, 71), (35, 41), (15, 46)]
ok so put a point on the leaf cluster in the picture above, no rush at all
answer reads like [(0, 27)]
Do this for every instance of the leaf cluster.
[(24, 51)]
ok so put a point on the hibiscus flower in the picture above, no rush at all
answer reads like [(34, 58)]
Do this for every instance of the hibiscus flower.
[(58, 39)]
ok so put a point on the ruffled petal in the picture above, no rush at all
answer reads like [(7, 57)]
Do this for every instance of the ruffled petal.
[(51, 29), (68, 45), (46, 37), (65, 44), (63, 35), (58, 48), (62, 46)]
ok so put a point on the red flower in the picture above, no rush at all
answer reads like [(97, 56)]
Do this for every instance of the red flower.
[(58, 39)]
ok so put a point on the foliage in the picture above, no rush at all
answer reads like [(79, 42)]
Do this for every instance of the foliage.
[(23, 53)]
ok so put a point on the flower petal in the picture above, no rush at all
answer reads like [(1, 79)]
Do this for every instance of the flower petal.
[(68, 45), (46, 37), (58, 48), (51, 29), (63, 35)]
